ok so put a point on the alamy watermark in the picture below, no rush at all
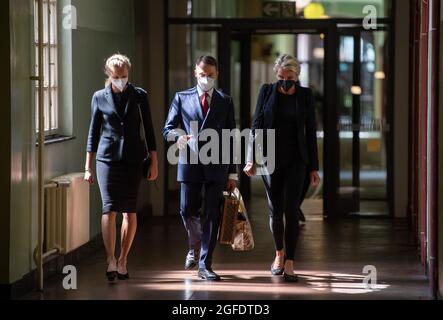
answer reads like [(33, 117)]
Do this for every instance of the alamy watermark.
[(370, 280), (70, 280), (370, 20), (210, 146), (69, 17)]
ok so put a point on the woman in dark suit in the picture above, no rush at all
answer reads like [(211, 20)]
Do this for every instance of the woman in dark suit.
[(116, 136), (287, 108)]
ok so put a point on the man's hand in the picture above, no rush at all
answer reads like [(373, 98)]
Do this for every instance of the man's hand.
[(315, 179), (249, 169), (232, 184), (183, 141)]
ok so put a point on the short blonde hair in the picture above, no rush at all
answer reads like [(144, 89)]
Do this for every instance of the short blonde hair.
[(116, 61), (287, 62)]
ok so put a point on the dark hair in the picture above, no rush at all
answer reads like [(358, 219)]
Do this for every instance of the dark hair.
[(210, 60)]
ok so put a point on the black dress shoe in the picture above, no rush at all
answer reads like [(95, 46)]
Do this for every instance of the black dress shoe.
[(191, 260), (290, 277), (122, 276), (208, 274), (111, 275)]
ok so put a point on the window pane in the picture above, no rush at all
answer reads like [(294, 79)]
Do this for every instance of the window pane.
[(35, 21), (53, 67), (47, 119), (45, 22), (345, 82), (373, 116), (46, 65), (54, 109), (53, 23)]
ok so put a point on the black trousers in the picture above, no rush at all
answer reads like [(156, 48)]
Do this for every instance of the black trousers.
[(284, 189)]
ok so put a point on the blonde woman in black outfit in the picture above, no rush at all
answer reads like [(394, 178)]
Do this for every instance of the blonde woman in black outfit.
[(289, 109), (119, 112)]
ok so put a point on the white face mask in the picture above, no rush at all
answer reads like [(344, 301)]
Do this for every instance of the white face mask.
[(120, 84), (206, 83)]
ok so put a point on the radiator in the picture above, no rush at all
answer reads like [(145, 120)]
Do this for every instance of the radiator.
[(66, 225)]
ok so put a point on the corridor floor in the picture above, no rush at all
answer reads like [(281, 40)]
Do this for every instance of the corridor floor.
[(330, 261)]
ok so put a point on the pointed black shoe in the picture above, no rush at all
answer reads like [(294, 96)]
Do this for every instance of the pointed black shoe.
[(208, 274), (290, 278)]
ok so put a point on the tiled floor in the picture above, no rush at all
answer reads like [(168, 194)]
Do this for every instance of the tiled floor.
[(330, 262)]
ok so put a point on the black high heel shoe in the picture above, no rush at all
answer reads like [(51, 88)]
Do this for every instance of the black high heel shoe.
[(277, 271), (111, 275), (122, 276), (290, 277)]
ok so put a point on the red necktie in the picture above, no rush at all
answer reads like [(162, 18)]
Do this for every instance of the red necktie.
[(205, 104)]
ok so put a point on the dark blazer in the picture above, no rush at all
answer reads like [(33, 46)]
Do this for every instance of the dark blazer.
[(306, 127), (186, 107), (115, 138)]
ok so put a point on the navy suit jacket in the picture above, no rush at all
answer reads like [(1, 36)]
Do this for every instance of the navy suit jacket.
[(306, 123), (185, 108), (115, 138)]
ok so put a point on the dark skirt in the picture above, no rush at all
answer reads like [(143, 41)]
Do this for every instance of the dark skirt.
[(119, 184)]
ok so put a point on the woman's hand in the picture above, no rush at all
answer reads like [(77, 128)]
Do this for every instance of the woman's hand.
[(315, 179), (89, 176), (153, 168), (249, 169)]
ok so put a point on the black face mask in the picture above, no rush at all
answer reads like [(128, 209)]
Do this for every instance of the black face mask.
[(286, 84)]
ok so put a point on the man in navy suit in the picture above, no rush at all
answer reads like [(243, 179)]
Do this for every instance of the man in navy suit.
[(191, 112)]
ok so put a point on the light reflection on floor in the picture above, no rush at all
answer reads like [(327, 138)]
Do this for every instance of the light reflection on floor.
[(257, 281)]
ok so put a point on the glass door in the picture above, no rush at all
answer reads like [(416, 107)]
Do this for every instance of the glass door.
[(362, 123)]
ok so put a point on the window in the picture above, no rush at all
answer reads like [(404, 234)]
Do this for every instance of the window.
[(50, 64)]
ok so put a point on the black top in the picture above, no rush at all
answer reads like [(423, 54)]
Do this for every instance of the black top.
[(121, 100), (286, 126), (265, 117)]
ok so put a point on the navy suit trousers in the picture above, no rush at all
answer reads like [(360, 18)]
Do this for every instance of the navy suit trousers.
[(202, 233)]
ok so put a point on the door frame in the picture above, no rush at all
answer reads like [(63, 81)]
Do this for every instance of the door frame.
[(330, 28)]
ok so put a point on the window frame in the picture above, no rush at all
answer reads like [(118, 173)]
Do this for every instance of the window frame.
[(50, 67)]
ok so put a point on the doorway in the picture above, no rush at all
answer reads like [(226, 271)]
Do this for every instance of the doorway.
[(347, 68)]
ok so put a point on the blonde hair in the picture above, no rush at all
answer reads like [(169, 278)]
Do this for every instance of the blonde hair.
[(116, 61), (287, 62)]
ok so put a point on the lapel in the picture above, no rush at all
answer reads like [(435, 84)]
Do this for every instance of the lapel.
[(196, 108), (270, 106), (132, 97), (299, 108)]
